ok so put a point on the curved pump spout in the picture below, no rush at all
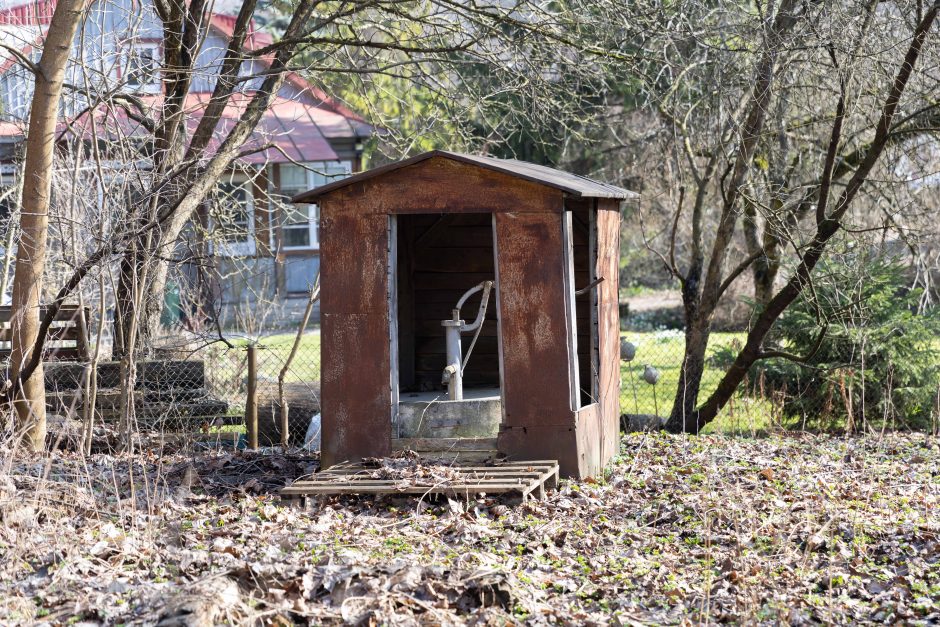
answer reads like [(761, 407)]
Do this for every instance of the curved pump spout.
[(453, 372)]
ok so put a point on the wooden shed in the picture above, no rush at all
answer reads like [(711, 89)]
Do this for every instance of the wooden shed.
[(403, 243)]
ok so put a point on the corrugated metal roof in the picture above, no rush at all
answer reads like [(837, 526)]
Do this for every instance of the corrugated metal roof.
[(576, 185), (288, 131)]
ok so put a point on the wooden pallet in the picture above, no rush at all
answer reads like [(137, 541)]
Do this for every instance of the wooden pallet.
[(523, 478)]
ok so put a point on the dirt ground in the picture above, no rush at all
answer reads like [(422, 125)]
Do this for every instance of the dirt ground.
[(791, 528)]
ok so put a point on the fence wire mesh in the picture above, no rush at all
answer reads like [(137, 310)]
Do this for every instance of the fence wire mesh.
[(288, 387), (860, 377), (190, 385), (197, 385)]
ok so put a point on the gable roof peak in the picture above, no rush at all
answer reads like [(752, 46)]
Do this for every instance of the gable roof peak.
[(572, 184)]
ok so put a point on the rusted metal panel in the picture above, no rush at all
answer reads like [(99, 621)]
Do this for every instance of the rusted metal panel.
[(444, 186), (354, 271), (608, 318), (355, 352), (356, 392), (566, 182), (535, 355), (535, 329), (543, 442)]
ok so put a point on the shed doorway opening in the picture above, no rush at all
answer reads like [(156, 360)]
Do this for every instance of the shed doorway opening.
[(436, 260)]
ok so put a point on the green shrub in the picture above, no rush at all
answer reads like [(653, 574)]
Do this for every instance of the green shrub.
[(879, 360)]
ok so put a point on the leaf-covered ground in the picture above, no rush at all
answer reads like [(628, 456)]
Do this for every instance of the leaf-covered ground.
[(785, 529)]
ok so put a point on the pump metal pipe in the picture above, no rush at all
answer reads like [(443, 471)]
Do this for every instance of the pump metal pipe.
[(453, 371)]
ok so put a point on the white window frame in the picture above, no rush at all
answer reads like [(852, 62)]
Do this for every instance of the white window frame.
[(249, 247), (8, 184), (155, 86), (314, 171), (313, 230)]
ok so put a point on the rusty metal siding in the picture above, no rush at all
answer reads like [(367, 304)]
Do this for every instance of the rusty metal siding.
[(538, 422), (356, 364), (542, 442), (354, 267), (533, 319), (573, 184), (608, 317), (440, 185), (534, 325)]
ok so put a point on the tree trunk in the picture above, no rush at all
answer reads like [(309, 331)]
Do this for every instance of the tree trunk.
[(703, 285), (136, 314), (827, 225), (149, 258), (29, 397), (684, 415)]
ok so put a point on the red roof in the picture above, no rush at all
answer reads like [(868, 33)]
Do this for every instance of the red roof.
[(291, 129), (329, 117), (31, 13)]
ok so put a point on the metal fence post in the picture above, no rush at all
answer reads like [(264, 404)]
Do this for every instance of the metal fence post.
[(251, 402)]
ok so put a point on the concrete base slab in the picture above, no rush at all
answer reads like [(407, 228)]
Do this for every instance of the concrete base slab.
[(431, 415)]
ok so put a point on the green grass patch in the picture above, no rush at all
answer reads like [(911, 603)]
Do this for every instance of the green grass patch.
[(660, 349), (663, 350), (273, 351)]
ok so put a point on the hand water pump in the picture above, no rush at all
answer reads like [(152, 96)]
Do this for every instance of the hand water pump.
[(453, 371)]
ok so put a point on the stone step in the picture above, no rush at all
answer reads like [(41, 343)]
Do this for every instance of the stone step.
[(151, 375), (111, 398)]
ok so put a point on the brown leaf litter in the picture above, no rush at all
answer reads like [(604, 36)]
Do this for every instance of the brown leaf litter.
[(787, 529)]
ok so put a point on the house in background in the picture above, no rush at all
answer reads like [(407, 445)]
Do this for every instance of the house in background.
[(262, 248)]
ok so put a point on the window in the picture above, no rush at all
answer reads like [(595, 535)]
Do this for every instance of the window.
[(8, 201), (142, 72), (300, 224), (232, 211)]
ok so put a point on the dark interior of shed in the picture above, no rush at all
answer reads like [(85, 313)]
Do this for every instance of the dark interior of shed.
[(439, 257)]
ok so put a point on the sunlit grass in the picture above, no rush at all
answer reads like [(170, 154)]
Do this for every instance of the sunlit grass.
[(273, 351), (660, 349), (663, 350)]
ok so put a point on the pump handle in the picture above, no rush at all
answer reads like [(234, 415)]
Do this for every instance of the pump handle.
[(486, 286)]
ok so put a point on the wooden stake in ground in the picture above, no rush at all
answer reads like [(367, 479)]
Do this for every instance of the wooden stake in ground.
[(29, 399), (251, 402)]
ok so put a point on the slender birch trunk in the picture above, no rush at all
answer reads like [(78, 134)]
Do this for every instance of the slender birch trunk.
[(29, 397)]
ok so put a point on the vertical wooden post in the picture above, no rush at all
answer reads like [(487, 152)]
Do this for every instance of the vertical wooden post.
[(251, 400), (285, 422)]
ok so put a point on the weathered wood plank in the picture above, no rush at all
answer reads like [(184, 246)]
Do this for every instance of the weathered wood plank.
[(521, 477), (608, 322)]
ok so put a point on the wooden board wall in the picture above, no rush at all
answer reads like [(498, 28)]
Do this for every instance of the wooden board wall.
[(608, 266), (439, 258)]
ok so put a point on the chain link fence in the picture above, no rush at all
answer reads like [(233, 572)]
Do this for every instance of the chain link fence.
[(187, 384), (284, 387), (210, 385), (864, 375)]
